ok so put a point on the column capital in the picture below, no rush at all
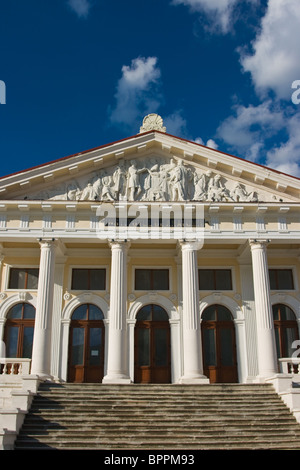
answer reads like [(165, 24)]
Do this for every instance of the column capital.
[(122, 244), (189, 245), (258, 243), (47, 242)]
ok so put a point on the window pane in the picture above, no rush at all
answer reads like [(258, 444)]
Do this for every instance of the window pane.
[(281, 279), (95, 346), (277, 339), (290, 335), (226, 347), (144, 347), (12, 341), (159, 314), (145, 314), (32, 279), (275, 309), (15, 312), (223, 279), (209, 314), (206, 279), (160, 279), (80, 279), (80, 313), (209, 347), (77, 346), (142, 279), (160, 347), (272, 277), (286, 313), (97, 279), (223, 313), (17, 279), (95, 313), (285, 279), (152, 279), (28, 312), (27, 342)]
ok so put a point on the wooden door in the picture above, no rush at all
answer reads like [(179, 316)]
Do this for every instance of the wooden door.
[(86, 351), (219, 345), (152, 346)]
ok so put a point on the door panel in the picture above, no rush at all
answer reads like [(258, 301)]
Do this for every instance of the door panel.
[(218, 344), (86, 350), (152, 346)]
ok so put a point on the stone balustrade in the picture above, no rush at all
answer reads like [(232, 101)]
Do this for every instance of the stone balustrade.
[(14, 366)]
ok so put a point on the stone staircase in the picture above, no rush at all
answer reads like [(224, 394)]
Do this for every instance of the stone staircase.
[(158, 417)]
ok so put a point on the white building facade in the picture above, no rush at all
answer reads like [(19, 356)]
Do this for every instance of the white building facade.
[(150, 260)]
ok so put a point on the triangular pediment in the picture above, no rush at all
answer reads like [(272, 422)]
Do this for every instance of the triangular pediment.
[(151, 166)]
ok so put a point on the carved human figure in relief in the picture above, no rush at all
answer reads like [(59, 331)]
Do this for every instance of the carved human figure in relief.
[(89, 193), (178, 182), (106, 193), (217, 191), (119, 181), (154, 182), (134, 184), (240, 194)]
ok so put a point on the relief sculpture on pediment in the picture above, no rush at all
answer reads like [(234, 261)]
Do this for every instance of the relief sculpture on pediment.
[(151, 179)]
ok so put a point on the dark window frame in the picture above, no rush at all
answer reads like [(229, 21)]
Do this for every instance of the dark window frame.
[(152, 273), (89, 287), (277, 286), (27, 272), (215, 287)]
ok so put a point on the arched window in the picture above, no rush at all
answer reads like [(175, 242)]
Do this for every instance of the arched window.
[(218, 344), (19, 331), (286, 330), (86, 353)]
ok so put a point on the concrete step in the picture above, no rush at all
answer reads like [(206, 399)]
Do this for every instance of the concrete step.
[(156, 417)]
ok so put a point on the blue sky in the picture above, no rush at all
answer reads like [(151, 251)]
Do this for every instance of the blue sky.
[(82, 73)]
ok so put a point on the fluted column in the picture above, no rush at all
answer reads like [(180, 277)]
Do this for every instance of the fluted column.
[(117, 340), (41, 353), (192, 347), (267, 361)]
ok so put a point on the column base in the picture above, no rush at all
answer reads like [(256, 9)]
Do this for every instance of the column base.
[(194, 380), (115, 380)]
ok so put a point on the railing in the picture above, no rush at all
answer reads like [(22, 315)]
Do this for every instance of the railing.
[(289, 365), (14, 366)]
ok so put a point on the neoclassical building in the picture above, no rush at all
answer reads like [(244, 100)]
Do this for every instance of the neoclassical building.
[(150, 260)]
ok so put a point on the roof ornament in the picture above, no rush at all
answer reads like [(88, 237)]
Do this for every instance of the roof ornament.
[(152, 122)]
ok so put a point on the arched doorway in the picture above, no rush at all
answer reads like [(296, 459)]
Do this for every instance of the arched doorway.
[(219, 345), (19, 329), (286, 330), (152, 358), (86, 345)]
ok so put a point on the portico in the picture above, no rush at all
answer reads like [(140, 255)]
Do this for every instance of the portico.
[(151, 259)]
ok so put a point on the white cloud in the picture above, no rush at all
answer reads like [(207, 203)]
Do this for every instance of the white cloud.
[(286, 156), (176, 124), (275, 62), (137, 91), (80, 7), (247, 130), (219, 12), (250, 132), (210, 143)]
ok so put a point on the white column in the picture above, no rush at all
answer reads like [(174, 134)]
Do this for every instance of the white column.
[(41, 354), (117, 339), (267, 361), (192, 347)]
